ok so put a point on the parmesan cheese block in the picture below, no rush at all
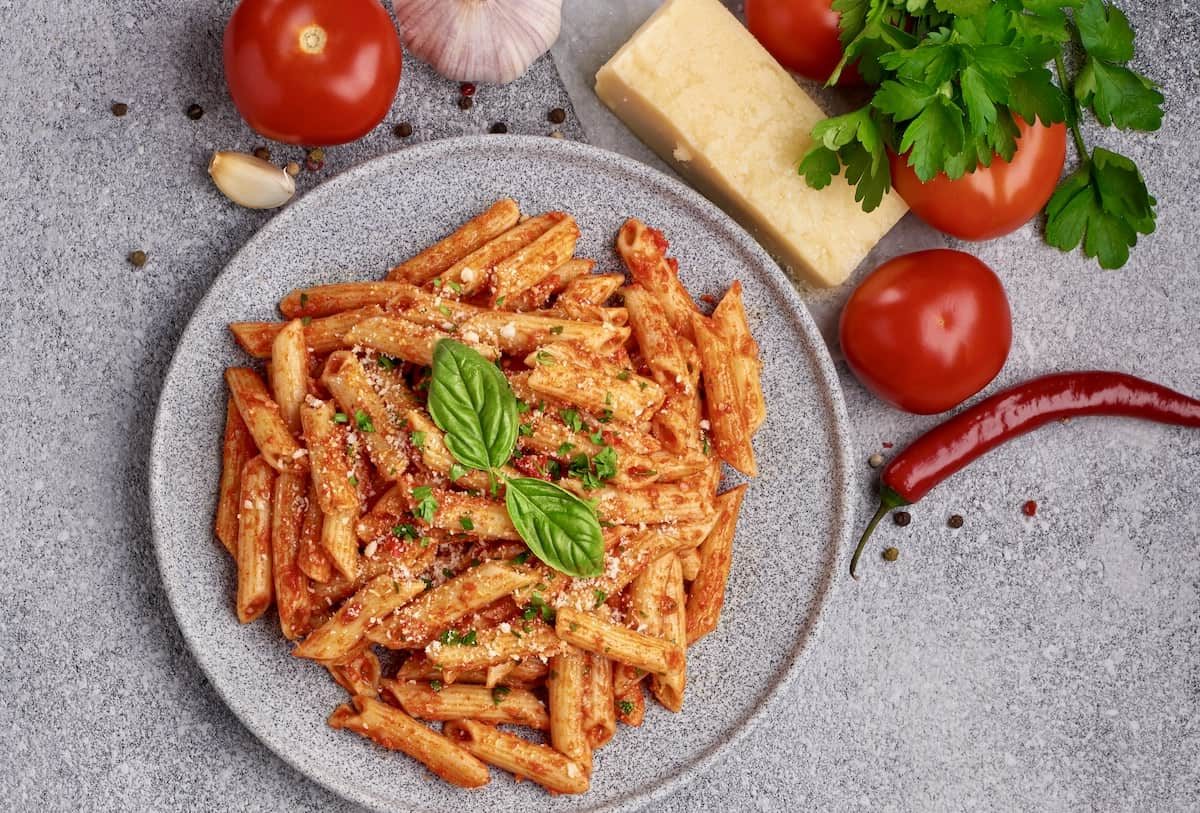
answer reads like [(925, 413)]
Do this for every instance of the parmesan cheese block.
[(697, 87)]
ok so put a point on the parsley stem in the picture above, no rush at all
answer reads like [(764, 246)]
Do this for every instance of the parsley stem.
[(1073, 109)]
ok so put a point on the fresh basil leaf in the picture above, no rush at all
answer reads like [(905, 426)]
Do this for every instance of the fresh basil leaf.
[(471, 401), (558, 527)]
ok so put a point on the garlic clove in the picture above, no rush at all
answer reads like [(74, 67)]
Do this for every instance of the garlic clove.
[(491, 41), (249, 181)]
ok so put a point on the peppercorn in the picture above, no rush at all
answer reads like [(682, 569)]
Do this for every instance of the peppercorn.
[(557, 115), (403, 130), (194, 112), (467, 88), (902, 518), (955, 521), (875, 460), (891, 554), (1030, 508), (313, 166), (465, 102), (263, 153), (292, 169), (499, 127), (120, 109), (137, 258)]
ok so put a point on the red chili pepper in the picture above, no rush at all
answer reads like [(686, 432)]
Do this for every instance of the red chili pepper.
[(945, 449)]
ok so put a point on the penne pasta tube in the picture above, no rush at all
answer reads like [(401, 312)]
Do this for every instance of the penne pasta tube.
[(590, 290), (689, 561), (381, 521), (332, 469), (430, 307), (643, 251), (289, 373), (630, 702), (419, 622), (716, 555), (393, 729), (727, 414), (321, 335), (348, 382), (312, 559), (617, 317), (729, 320), (658, 502), (564, 690), (588, 631), (599, 709), (655, 338), (668, 687), (525, 674), (340, 543), (340, 635), (262, 417), (435, 455), (407, 340), (326, 300), (534, 262), (254, 585), (467, 702), (519, 333), (542, 764), (496, 674), (359, 675), (479, 517), (537, 295), (501, 644), (474, 271), (237, 447), (569, 373), (475, 233), (290, 503)]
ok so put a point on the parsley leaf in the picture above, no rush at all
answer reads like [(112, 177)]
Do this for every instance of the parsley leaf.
[(571, 419), (1119, 97), (427, 504), (363, 421)]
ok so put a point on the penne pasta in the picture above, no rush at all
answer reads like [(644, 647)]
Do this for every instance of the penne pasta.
[(288, 508), (590, 290), (655, 339), (727, 414), (472, 272), (341, 634), (523, 332), (478, 517), (716, 555), (262, 417), (311, 557), (588, 631), (348, 382), (630, 702), (657, 502), (405, 340), (689, 561), (572, 374), (289, 373), (537, 295), (668, 687), (467, 702), (599, 708), (359, 675), (524, 674), (255, 589), (508, 642), (392, 728), (475, 233), (237, 447), (564, 690), (643, 251), (327, 439), (321, 335), (534, 262), (326, 300), (542, 764), (729, 320)]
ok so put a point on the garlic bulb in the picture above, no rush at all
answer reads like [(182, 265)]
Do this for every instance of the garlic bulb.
[(249, 181), (479, 40)]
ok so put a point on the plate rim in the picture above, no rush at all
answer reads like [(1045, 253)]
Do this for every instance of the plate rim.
[(830, 388)]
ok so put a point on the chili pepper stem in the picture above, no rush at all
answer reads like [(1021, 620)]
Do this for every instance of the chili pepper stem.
[(889, 500)]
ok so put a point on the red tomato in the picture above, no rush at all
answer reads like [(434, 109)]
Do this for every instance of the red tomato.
[(991, 201), (312, 72), (802, 35), (925, 331)]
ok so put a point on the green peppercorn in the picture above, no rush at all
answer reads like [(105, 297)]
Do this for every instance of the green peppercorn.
[(120, 109), (194, 112), (902, 518), (891, 554), (137, 258)]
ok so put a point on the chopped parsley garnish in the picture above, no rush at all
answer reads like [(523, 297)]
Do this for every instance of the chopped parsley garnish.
[(565, 449), (500, 301), (626, 707), (522, 407), (426, 503), (539, 607), (454, 286), (606, 416), (499, 693), (437, 283), (556, 330), (521, 558), (425, 541), (363, 421), (524, 430), (606, 463), (608, 398), (436, 685), (601, 597), (457, 470), (417, 439), (642, 385), (545, 359), (623, 375), (466, 522), (387, 362), (405, 531), (340, 417), (447, 573), (454, 638), (306, 321), (571, 419), (353, 480), (597, 437), (303, 299)]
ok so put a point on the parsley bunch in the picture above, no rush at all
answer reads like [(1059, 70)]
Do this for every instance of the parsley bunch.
[(952, 74)]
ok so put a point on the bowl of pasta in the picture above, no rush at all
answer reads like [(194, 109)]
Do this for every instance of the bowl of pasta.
[(489, 460)]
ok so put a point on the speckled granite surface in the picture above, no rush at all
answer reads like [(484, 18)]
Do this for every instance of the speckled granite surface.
[(1051, 663)]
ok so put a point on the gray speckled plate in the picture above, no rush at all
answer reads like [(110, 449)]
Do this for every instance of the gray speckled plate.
[(793, 524)]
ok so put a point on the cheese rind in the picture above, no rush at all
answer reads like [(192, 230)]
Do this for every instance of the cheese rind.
[(697, 87)]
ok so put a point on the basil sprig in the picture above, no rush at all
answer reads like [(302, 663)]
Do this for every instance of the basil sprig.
[(471, 402), (559, 528)]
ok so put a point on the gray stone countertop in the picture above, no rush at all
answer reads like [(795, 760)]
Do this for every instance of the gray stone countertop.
[(1015, 663)]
